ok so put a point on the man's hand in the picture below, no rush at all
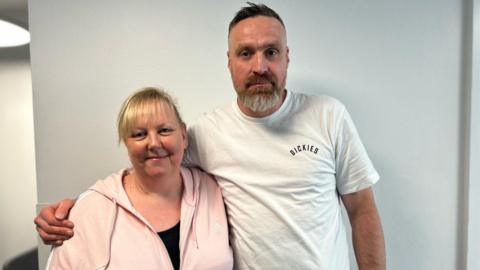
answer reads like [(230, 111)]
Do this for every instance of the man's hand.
[(52, 225), (367, 233)]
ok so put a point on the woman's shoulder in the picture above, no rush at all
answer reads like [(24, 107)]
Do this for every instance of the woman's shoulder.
[(89, 205), (98, 200), (199, 176), (199, 183), (92, 215)]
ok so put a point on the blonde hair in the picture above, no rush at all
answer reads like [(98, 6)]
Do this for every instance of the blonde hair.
[(144, 102)]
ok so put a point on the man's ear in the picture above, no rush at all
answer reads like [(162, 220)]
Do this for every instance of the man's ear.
[(228, 60), (288, 55)]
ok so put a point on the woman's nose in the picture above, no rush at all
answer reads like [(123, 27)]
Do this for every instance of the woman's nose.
[(154, 141)]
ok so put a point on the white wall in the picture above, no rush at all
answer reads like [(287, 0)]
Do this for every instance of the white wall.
[(18, 195), (474, 141), (397, 65)]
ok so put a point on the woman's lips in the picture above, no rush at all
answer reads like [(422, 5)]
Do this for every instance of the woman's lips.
[(156, 157)]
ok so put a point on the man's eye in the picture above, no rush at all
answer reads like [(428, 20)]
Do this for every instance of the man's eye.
[(244, 53), (272, 52)]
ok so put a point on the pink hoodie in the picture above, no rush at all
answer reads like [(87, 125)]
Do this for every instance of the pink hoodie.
[(111, 234)]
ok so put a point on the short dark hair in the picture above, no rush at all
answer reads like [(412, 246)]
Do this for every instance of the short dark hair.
[(253, 10)]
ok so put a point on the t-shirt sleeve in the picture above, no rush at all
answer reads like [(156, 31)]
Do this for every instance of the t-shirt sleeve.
[(191, 155), (354, 169)]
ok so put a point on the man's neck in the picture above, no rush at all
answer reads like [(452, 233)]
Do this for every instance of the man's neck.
[(247, 111)]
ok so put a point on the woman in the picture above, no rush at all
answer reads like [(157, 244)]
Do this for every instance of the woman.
[(155, 215)]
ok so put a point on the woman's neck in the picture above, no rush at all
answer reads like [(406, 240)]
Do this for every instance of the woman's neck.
[(157, 199), (166, 187)]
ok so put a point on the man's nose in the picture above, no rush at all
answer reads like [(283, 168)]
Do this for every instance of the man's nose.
[(260, 64)]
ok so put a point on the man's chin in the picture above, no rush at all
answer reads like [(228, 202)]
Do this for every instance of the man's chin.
[(260, 102)]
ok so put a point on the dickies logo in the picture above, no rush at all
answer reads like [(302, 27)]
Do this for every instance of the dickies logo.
[(304, 148)]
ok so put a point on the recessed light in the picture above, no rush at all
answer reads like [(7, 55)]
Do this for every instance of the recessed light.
[(12, 35)]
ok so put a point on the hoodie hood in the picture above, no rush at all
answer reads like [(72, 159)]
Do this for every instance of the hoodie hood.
[(112, 189)]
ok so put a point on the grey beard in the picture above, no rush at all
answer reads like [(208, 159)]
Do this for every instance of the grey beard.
[(260, 102)]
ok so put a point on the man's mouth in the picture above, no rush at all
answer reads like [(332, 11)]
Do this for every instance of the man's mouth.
[(259, 89), (259, 81), (259, 84)]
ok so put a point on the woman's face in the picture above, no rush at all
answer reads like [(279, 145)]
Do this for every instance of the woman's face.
[(157, 143)]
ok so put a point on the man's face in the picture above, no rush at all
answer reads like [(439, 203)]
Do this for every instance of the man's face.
[(258, 61)]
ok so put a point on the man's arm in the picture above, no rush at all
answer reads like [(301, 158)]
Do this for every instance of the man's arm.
[(52, 225), (367, 233)]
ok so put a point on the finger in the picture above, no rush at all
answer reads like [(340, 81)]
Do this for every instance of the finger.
[(47, 214), (57, 243), (67, 224), (53, 243), (59, 231), (50, 239), (64, 208)]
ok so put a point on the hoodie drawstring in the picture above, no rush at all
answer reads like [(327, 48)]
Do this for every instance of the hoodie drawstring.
[(112, 225), (195, 222), (195, 206)]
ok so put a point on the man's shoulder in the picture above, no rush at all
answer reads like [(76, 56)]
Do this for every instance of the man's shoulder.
[(317, 101), (213, 117), (197, 176)]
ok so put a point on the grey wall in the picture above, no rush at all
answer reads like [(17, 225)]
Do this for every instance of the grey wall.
[(397, 65)]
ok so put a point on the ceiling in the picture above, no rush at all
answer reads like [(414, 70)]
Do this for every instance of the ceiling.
[(14, 11), (13, 4)]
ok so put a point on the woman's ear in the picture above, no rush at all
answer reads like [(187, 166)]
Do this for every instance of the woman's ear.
[(184, 134)]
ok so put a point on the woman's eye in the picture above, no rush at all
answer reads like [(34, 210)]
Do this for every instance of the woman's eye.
[(138, 134), (165, 130)]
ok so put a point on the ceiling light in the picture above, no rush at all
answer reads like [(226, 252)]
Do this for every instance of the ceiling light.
[(12, 35)]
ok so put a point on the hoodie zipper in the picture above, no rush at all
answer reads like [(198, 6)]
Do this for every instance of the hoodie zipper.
[(150, 233), (189, 223)]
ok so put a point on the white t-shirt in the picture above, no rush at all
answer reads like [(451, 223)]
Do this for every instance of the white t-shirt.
[(280, 177)]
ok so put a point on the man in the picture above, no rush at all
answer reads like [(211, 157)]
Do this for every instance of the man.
[(283, 160)]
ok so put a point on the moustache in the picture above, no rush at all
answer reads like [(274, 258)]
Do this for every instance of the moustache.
[(260, 79)]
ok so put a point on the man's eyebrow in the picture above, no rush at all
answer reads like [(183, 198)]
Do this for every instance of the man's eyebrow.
[(245, 46), (273, 45), (241, 48)]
